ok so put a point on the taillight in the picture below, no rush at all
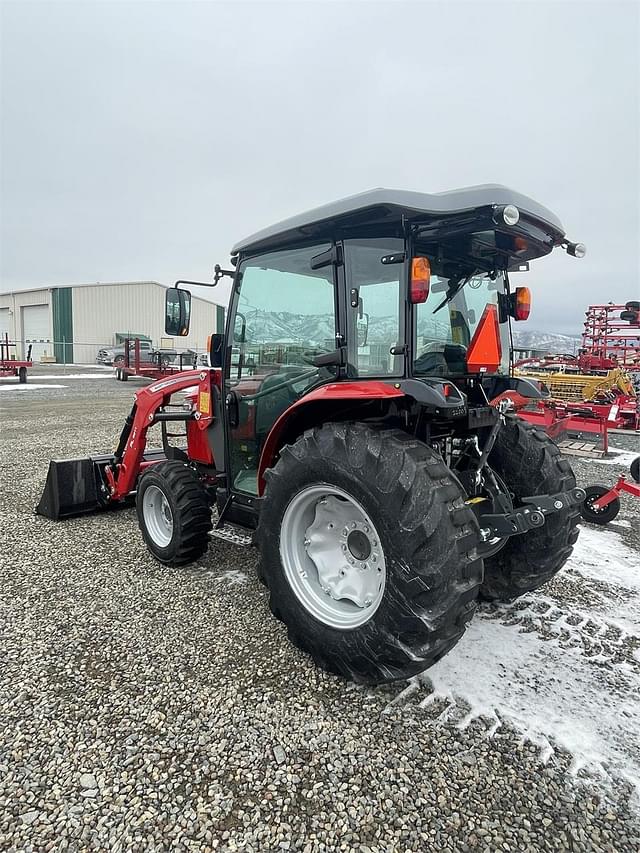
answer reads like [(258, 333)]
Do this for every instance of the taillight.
[(521, 303), (420, 278)]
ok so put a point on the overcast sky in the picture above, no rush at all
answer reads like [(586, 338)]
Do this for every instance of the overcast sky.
[(141, 140)]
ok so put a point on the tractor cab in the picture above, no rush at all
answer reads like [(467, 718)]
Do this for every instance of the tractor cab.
[(380, 294)]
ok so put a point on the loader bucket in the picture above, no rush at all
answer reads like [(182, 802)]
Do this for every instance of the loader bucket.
[(73, 487)]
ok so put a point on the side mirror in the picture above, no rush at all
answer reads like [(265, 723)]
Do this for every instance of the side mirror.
[(216, 348), (177, 312)]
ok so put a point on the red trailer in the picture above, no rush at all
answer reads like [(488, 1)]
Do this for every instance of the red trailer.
[(154, 367), (9, 364)]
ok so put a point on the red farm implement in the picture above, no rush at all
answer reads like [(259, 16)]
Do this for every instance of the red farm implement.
[(9, 364), (598, 384), (611, 338), (153, 365), (602, 503)]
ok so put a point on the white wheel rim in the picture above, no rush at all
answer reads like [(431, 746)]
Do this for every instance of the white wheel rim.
[(158, 517), (332, 556)]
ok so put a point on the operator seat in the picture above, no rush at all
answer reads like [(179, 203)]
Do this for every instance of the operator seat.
[(440, 359), (272, 403)]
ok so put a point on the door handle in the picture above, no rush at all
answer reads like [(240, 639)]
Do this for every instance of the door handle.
[(232, 401)]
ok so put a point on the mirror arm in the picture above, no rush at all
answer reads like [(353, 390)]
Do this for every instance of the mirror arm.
[(196, 283), (218, 273)]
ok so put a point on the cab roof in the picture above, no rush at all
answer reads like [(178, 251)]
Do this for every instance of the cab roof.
[(384, 206)]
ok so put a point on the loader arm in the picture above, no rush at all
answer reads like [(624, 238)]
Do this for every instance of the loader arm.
[(128, 461), (86, 485)]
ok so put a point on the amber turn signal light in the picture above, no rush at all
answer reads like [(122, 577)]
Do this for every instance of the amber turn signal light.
[(420, 278), (521, 303)]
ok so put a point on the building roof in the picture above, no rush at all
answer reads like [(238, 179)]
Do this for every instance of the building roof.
[(99, 284), (377, 205)]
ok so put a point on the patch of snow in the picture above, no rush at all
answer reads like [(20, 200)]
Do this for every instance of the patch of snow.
[(554, 694), (622, 457), (28, 386), (75, 376), (620, 522), (233, 577), (564, 676), (93, 366), (601, 555)]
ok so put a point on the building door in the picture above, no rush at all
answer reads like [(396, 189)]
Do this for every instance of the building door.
[(4, 323), (36, 331)]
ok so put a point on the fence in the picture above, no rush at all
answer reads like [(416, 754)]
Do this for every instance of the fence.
[(63, 352)]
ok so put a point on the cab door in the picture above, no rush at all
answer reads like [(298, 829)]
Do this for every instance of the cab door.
[(283, 315)]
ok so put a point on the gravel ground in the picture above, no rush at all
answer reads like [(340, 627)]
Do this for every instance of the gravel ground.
[(143, 708)]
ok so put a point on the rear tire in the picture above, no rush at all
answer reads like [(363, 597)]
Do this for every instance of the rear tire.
[(599, 516), (629, 316), (634, 468), (173, 513), (530, 463), (410, 505), (22, 375)]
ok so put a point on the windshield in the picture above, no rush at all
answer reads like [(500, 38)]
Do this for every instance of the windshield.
[(443, 334)]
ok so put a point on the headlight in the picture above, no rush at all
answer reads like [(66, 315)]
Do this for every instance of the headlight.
[(577, 250), (507, 214)]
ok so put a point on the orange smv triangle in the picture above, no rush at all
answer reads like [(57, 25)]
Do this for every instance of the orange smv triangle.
[(485, 350)]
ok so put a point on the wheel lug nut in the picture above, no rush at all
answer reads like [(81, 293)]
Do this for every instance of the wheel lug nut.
[(344, 547), (307, 542), (366, 529), (367, 602), (353, 524)]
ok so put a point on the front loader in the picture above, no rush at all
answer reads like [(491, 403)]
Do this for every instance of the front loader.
[(356, 425)]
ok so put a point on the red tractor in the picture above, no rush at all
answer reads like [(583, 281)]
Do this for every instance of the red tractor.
[(345, 428)]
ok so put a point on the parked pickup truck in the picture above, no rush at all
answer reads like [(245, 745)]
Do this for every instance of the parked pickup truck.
[(148, 354)]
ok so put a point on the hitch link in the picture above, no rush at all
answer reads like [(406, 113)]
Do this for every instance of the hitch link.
[(530, 516)]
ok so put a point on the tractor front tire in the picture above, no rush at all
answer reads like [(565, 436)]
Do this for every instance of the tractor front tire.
[(173, 513), (530, 463), (368, 551)]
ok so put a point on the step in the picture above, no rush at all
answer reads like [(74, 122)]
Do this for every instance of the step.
[(233, 534)]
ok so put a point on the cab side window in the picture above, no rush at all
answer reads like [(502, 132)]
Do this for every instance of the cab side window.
[(374, 324)]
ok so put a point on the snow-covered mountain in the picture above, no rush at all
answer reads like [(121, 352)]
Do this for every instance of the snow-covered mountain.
[(318, 329), (549, 341)]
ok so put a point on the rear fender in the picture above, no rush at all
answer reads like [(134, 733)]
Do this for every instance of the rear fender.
[(317, 407)]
